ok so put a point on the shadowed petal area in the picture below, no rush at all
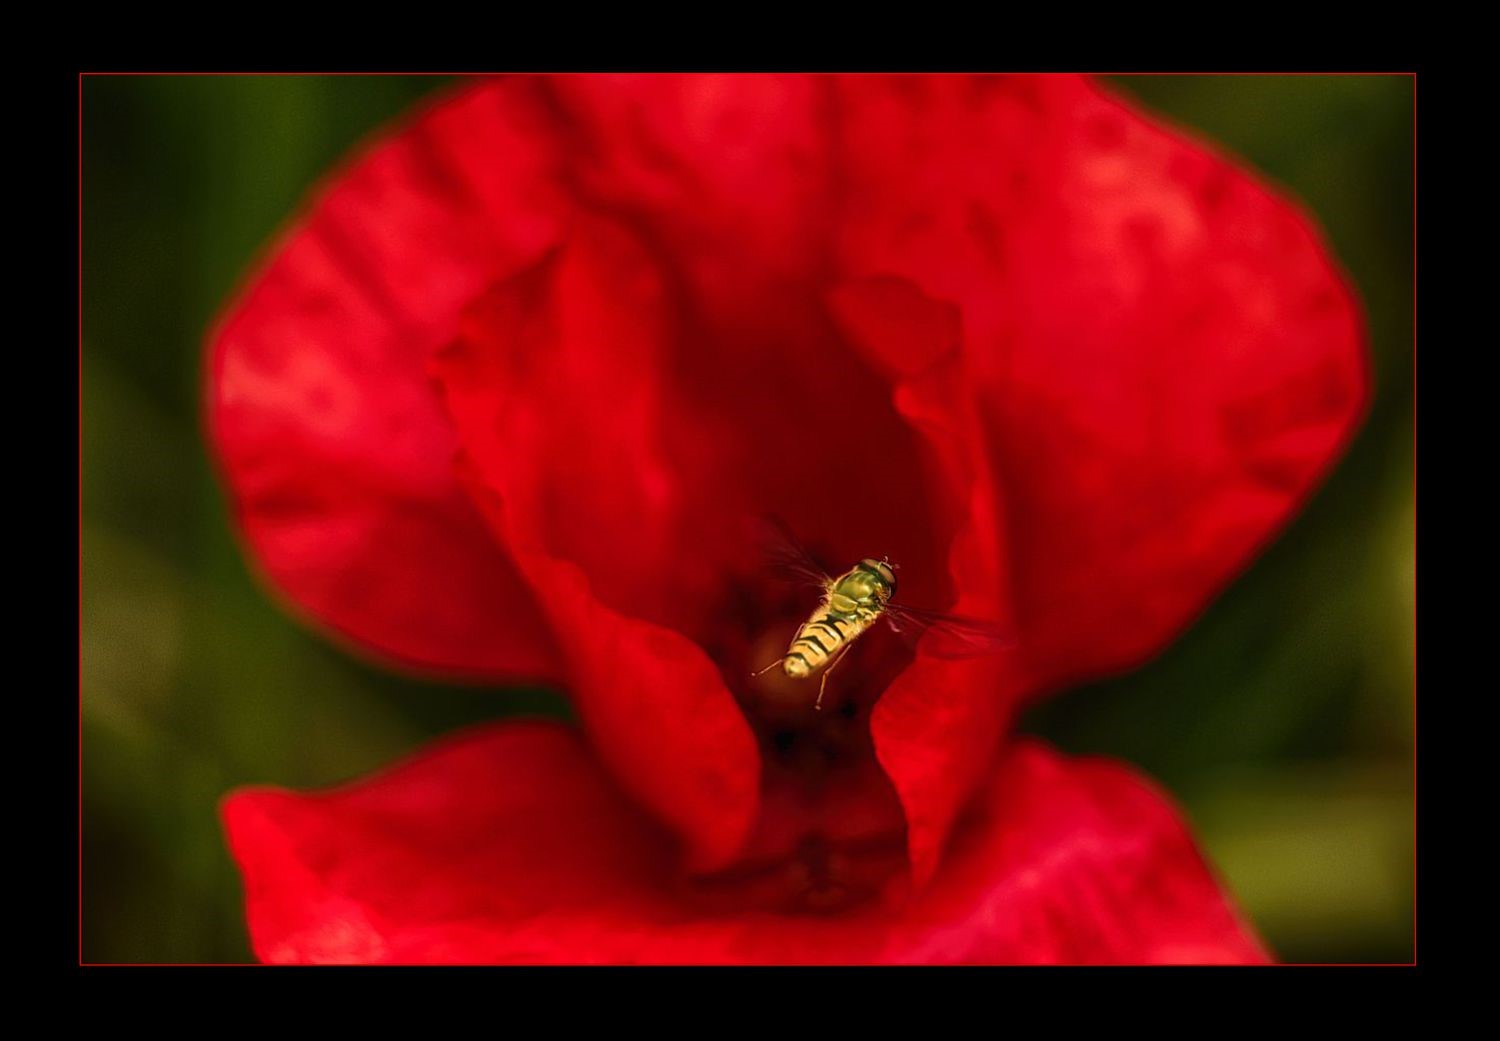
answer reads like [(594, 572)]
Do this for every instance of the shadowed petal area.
[(1163, 357), (334, 446), (508, 844), (602, 481), (729, 184), (936, 727)]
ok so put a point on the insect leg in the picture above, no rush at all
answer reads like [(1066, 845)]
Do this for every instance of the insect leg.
[(767, 669), (831, 666)]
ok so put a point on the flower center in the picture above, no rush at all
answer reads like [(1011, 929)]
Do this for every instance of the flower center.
[(817, 875), (831, 834)]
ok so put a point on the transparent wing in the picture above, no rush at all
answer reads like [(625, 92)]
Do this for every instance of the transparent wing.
[(785, 557), (950, 636)]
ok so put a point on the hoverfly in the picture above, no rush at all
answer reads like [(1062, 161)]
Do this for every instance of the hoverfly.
[(852, 603)]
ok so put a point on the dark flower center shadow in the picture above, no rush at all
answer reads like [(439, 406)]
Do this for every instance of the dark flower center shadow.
[(832, 833)]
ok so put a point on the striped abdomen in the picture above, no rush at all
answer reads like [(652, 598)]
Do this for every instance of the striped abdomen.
[(820, 638)]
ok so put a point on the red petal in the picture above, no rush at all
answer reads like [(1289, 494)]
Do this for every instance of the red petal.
[(1077, 861), (1165, 358), (602, 484), (335, 448), (1158, 361), (668, 370), (727, 183), (508, 845), (935, 728)]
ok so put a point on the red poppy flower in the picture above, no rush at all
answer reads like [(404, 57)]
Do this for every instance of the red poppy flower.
[(498, 405)]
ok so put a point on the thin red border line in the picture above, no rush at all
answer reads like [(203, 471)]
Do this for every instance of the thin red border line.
[(1415, 822), (584, 72), (80, 516), (1414, 519), (810, 969)]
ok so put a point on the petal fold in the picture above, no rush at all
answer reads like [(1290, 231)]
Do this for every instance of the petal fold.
[(508, 844), (603, 485), (334, 446), (937, 725), (1164, 357)]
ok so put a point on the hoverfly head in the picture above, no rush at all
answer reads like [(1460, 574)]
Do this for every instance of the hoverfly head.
[(884, 571)]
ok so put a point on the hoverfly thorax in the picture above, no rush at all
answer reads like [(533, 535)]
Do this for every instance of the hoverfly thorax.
[(868, 585)]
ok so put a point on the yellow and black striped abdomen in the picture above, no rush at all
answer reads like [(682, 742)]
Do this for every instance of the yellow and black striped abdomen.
[(820, 638)]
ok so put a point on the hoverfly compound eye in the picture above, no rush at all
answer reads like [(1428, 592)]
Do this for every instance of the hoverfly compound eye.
[(884, 568)]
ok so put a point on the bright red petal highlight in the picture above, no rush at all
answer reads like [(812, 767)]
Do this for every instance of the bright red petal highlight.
[(508, 845), (1164, 357), (336, 451), (1138, 361)]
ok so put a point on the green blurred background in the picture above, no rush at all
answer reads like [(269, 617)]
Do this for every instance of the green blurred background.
[(1282, 721)]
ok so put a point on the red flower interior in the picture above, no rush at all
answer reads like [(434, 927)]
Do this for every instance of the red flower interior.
[(501, 405)]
